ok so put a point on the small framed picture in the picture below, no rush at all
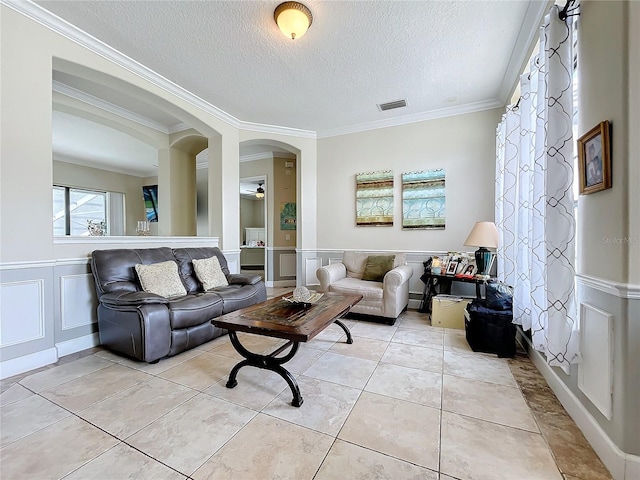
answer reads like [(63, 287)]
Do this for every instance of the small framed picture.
[(594, 159), (461, 264), (470, 269), (452, 267)]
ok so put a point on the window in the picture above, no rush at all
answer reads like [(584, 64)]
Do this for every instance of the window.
[(73, 208)]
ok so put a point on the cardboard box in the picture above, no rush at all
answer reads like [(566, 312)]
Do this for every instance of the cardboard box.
[(447, 311)]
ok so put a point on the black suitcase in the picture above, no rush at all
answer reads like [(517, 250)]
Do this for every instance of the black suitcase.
[(490, 331)]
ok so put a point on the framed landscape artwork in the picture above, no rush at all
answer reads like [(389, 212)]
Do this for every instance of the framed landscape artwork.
[(594, 159)]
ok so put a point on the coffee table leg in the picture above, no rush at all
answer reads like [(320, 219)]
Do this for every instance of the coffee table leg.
[(346, 330), (232, 382), (293, 385), (267, 362)]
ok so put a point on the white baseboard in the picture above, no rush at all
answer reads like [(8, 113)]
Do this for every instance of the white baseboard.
[(632, 467), (281, 283), (77, 344), (19, 365), (621, 465), (414, 304)]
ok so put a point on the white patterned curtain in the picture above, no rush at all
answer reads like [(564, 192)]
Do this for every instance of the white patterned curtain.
[(534, 198)]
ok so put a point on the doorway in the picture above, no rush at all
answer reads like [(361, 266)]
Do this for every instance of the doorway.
[(253, 226)]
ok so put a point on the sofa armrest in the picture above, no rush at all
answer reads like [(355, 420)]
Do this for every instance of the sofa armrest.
[(395, 290), (330, 274), (242, 279), (131, 299), (397, 276)]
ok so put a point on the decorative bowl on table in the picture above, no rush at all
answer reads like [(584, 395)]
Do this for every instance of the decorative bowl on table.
[(302, 296)]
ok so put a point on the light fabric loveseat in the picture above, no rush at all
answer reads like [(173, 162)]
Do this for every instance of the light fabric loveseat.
[(386, 298)]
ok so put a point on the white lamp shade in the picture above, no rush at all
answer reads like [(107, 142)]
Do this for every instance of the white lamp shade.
[(483, 234), (293, 19)]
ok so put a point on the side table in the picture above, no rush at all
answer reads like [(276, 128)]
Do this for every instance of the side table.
[(435, 284)]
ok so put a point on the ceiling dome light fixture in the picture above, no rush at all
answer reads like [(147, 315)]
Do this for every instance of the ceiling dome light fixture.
[(260, 191), (293, 19)]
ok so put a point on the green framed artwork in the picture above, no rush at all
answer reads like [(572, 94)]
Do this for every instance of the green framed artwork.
[(288, 216), (374, 199), (423, 200)]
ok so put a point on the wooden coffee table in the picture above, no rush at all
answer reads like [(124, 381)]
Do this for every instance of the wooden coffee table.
[(280, 319)]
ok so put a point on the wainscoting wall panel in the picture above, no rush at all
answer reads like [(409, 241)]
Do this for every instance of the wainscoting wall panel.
[(288, 265), (49, 307), (78, 301), (276, 277), (23, 300), (609, 345), (595, 371), (311, 265)]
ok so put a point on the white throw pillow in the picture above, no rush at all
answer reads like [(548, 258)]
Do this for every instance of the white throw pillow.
[(209, 272), (161, 278)]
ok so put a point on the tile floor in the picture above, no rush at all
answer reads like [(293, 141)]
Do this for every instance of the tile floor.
[(408, 401)]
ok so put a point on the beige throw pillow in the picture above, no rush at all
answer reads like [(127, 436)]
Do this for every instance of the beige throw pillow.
[(209, 272), (161, 278)]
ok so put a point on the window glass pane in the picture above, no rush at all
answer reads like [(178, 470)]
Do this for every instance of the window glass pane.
[(85, 205), (59, 213)]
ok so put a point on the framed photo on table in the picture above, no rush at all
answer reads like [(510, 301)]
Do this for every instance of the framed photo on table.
[(594, 159), (452, 267), (470, 268)]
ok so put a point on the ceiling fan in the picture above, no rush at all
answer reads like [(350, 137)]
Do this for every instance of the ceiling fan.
[(260, 191)]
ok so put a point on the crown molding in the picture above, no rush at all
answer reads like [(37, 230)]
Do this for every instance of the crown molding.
[(53, 22), (97, 164), (73, 33), (178, 127), (266, 156), (38, 14), (521, 52), (109, 107), (413, 118), (257, 156), (289, 131)]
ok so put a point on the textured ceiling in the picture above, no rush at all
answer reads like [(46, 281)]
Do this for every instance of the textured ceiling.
[(435, 54)]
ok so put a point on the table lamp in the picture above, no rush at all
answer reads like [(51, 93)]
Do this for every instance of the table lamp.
[(484, 235)]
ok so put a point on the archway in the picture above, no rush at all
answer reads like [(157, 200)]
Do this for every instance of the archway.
[(277, 163)]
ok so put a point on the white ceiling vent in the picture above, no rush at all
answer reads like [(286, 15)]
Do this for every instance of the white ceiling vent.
[(391, 105)]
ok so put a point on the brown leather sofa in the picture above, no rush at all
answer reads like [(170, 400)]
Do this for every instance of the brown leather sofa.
[(149, 327)]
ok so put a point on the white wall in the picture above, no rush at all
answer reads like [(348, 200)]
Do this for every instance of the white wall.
[(464, 145), (602, 70)]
